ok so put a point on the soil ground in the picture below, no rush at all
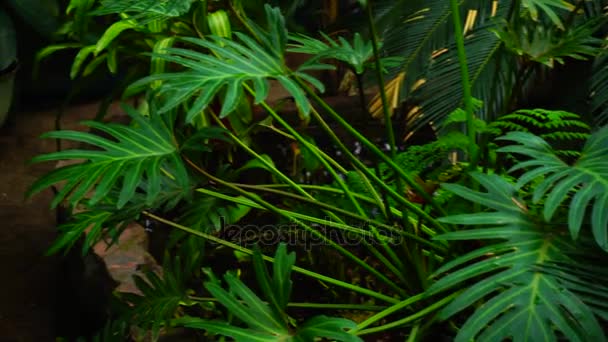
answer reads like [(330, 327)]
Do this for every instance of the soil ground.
[(29, 306)]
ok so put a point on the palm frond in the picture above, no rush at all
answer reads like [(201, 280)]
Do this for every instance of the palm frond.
[(520, 302), (492, 75), (432, 75), (584, 184), (599, 89), (548, 8)]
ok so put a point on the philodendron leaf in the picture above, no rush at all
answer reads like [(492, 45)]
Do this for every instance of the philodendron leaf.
[(267, 322), (584, 184), (513, 297), (234, 69), (131, 155), (276, 289)]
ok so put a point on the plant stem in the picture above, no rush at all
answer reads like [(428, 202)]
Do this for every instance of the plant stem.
[(297, 269), (373, 148), (329, 223), (359, 164), (378, 61), (312, 150), (388, 311), (435, 306), (362, 307), (287, 213), (306, 227), (466, 84), (343, 186)]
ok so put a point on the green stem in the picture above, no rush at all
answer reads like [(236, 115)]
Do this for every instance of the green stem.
[(297, 269), (362, 307), (306, 227), (312, 150), (287, 213), (372, 147), (435, 306), (332, 161), (341, 183), (360, 166), (466, 84), (343, 212), (385, 104)]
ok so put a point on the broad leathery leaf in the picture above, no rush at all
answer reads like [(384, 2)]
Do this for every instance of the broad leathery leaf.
[(232, 67), (147, 10), (576, 217), (111, 33)]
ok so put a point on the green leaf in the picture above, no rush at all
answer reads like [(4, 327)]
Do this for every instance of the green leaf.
[(266, 322), (356, 56), (548, 7), (145, 11), (587, 179), (225, 329), (82, 55), (276, 289), (111, 33), (232, 66), (71, 232), (160, 297), (506, 283), (133, 155), (335, 329)]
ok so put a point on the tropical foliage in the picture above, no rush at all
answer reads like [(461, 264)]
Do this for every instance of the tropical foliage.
[(377, 231)]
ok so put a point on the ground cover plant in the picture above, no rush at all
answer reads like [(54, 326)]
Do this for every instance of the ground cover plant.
[(495, 230)]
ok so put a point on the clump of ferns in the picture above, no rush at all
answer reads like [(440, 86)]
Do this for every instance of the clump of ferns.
[(564, 131)]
